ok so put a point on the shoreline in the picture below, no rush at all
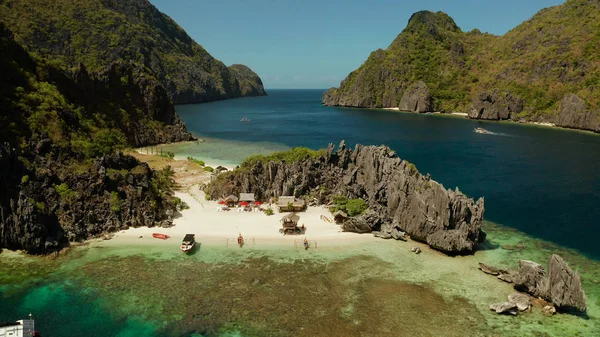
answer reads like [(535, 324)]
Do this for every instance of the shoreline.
[(466, 116)]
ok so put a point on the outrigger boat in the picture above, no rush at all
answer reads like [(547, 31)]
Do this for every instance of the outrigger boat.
[(188, 243), (483, 131), (245, 120), (160, 236)]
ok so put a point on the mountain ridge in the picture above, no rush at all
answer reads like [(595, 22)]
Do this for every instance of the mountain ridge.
[(544, 70), (99, 32)]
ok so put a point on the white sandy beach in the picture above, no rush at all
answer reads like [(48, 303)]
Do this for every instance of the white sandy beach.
[(214, 227)]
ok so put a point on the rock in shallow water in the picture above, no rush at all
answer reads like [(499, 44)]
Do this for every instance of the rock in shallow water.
[(505, 308), (522, 301)]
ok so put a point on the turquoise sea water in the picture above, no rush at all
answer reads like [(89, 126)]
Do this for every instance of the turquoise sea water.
[(538, 180), (542, 181)]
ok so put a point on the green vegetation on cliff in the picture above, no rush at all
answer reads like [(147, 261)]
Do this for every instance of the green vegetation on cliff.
[(60, 177), (97, 33), (529, 73)]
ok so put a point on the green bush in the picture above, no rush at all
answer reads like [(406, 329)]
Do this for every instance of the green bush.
[(115, 202), (293, 155), (207, 197), (64, 191), (356, 207), (179, 204), (196, 161), (209, 169), (168, 154), (352, 207), (24, 179), (269, 211)]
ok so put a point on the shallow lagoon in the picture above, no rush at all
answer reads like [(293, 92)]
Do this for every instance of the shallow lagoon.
[(372, 289)]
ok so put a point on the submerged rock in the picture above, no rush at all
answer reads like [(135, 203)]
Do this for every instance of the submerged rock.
[(398, 196), (491, 270)]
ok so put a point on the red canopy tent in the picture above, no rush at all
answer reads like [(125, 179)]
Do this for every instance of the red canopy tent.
[(222, 202), (258, 203), (244, 203)]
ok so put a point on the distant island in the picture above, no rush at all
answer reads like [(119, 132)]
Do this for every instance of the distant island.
[(544, 70), (96, 33)]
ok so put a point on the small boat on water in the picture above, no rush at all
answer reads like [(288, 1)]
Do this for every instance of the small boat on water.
[(160, 236), (483, 131), (245, 120), (20, 328), (188, 243)]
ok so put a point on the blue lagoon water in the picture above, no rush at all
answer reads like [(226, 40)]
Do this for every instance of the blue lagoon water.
[(542, 181)]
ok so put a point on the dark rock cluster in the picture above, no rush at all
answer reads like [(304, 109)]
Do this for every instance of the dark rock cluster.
[(495, 106), (44, 209), (398, 196), (417, 98), (575, 114), (561, 286)]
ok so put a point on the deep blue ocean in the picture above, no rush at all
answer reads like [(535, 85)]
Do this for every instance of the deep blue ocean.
[(543, 181)]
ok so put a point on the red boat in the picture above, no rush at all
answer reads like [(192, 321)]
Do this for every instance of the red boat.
[(160, 236)]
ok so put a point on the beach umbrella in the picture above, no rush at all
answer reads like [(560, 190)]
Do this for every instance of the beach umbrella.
[(222, 202), (244, 203)]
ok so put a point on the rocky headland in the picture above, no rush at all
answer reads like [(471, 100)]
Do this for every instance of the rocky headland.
[(542, 71), (399, 198)]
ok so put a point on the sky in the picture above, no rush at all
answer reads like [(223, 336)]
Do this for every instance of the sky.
[(305, 44)]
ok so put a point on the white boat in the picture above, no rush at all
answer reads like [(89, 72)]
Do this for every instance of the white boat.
[(20, 328), (483, 131), (245, 120), (188, 243)]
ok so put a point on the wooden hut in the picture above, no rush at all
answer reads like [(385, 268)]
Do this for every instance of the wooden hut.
[(291, 204), (289, 224), (340, 217), (248, 197), (231, 200)]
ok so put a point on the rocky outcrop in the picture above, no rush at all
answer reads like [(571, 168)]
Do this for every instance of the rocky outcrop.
[(249, 82), (151, 118), (41, 211), (506, 308), (495, 106), (561, 286), (417, 98), (564, 285), (574, 114), (396, 193)]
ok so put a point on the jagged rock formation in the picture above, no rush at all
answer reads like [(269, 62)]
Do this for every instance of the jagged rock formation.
[(39, 214), (417, 98), (561, 286), (98, 33), (154, 121), (59, 180), (396, 193), (575, 114), (521, 76), (495, 106)]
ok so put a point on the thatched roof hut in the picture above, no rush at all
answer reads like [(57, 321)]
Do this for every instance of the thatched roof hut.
[(290, 204), (249, 197)]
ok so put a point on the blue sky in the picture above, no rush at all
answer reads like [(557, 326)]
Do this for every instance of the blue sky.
[(316, 44)]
